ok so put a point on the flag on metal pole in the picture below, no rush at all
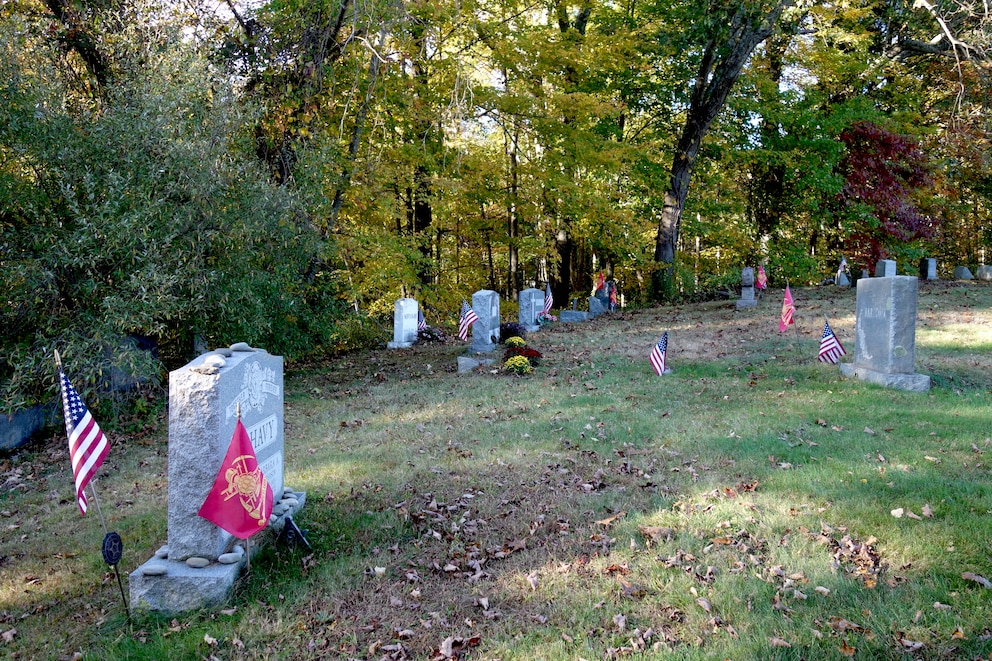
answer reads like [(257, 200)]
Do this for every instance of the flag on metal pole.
[(467, 318), (762, 281), (659, 354), (830, 347), (88, 446), (600, 281), (549, 300), (241, 499), (788, 311), (421, 321)]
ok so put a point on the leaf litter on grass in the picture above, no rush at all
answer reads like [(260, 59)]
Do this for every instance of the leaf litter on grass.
[(487, 542)]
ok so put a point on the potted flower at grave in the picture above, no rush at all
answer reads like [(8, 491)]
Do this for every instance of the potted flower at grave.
[(516, 347)]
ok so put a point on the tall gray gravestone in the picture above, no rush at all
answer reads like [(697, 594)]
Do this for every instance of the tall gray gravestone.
[(885, 334), (198, 566), (531, 304), (404, 323), (747, 299), (485, 332), (928, 268), (885, 268)]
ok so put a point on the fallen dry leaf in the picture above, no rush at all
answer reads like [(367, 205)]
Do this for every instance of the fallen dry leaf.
[(927, 512), (981, 580), (909, 645), (822, 590), (532, 579), (775, 641), (8, 636), (897, 512), (610, 519), (845, 649), (704, 604), (620, 622), (209, 640)]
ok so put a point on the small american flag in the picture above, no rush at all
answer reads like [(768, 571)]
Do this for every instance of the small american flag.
[(658, 354), (762, 281), (421, 321), (830, 347), (549, 300), (467, 318), (88, 446)]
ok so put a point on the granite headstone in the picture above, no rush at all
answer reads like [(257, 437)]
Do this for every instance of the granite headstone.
[(962, 273), (404, 323), (983, 273), (885, 334), (747, 299), (531, 305), (928, 268), (885, 268), (485, 332)]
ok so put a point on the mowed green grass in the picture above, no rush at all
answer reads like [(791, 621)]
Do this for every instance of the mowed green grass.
[(751, 503)]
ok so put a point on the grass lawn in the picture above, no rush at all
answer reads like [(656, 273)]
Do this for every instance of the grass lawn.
[(751, 503)]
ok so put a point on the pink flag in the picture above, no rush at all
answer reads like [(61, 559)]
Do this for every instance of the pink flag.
[(788, 310), (762, 281), (241, 499)]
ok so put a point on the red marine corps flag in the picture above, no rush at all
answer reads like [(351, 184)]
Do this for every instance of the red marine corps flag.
[(241, 499)]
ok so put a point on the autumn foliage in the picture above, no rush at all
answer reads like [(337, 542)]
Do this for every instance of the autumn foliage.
[(882, 171)]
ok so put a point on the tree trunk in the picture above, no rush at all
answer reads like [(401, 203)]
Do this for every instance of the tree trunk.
[(724, 57)]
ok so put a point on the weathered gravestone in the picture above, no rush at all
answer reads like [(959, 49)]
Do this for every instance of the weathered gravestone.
[(983, 273), (596, 307), (885, 334), (928, 268), (404, 323), (747, 299), (18, 427), (962, 273), (531, 305), (885, 268), (485, 332), (198, 567)]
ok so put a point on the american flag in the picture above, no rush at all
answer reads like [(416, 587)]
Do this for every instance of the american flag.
[(762, 281), (788, 310), (467, 318), (601, 281), (88, 446), (421, 321), (658, 354), (830, 347), (549, 300)]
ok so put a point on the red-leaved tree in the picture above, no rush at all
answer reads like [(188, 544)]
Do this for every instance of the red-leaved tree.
[(882, 171)]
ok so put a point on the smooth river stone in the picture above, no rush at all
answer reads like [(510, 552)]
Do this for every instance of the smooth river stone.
[(197, 562), (162, 552), (154, 570), (229, 558), (241, 346)]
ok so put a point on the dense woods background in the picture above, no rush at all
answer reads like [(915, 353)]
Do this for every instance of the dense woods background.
[(184, 173)]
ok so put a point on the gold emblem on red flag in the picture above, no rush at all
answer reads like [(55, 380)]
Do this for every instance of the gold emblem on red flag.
[(248, 485)]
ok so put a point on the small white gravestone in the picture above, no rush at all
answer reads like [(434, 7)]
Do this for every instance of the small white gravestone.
[(885, 268), (531, 304), (485, 332), (195, 570), (885, 334), (405, 316)]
